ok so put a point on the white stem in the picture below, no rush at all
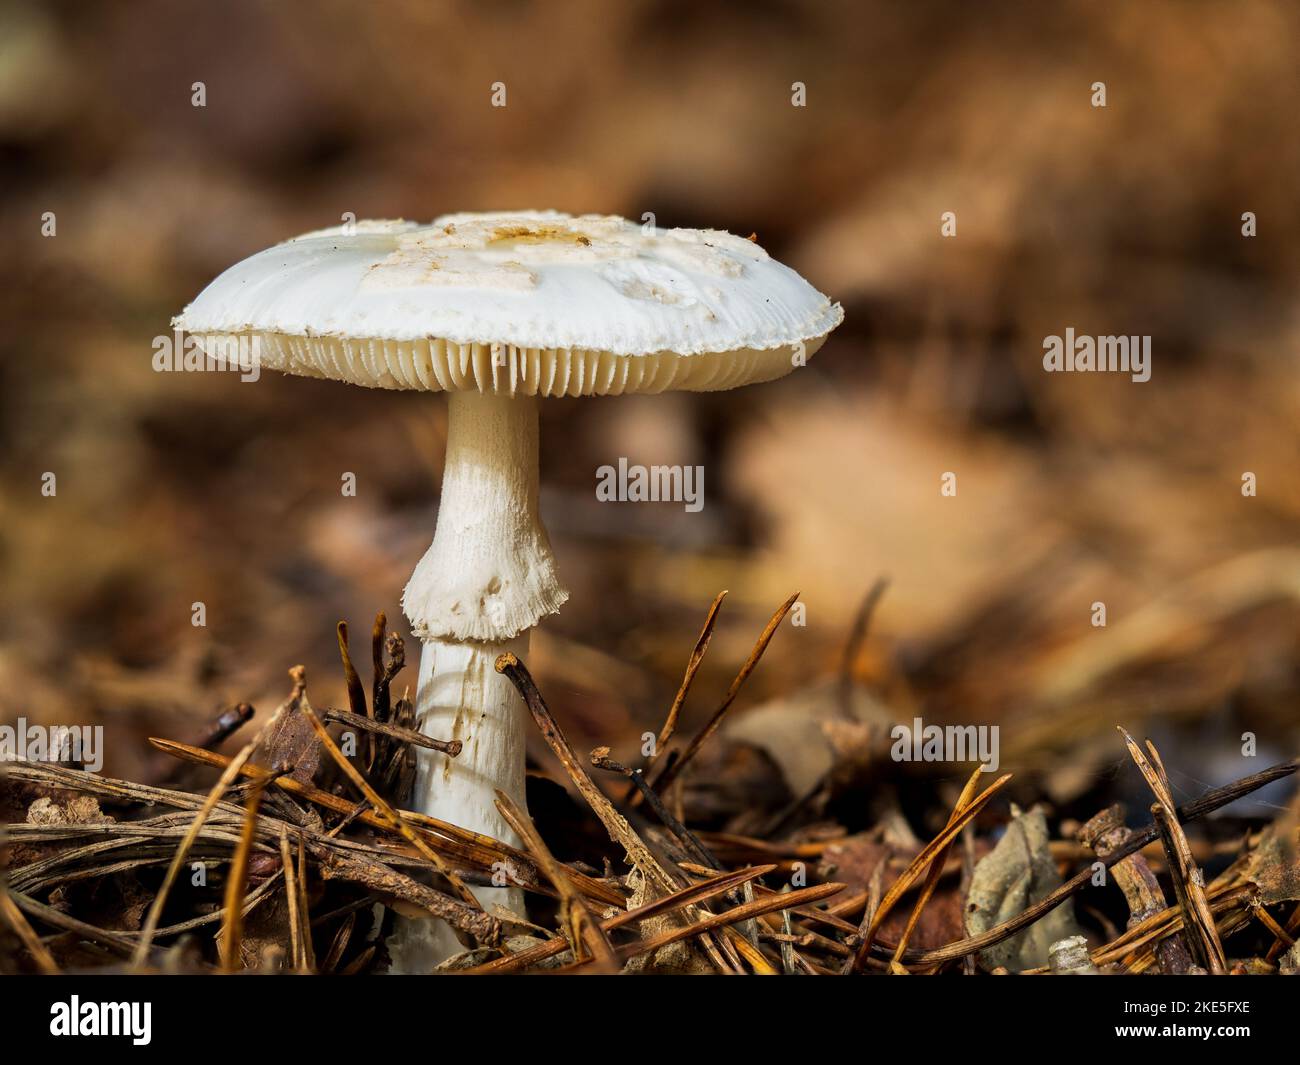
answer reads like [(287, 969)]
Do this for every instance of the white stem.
[(488, 577), (489, 573), (463, 697)]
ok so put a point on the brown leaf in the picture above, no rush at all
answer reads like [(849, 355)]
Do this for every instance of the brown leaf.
[(74, 810), (1275, 868)]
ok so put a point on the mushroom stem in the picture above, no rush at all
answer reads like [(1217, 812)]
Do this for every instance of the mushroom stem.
[(489, 573), (461, 695), (487, 578)]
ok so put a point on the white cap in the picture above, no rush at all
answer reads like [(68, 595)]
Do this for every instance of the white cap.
[(524, 302)]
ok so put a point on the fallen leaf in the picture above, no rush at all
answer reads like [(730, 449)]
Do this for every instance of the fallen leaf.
[(1018, 872)]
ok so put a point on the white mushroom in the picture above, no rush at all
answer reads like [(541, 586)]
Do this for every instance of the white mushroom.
[(498, 310)]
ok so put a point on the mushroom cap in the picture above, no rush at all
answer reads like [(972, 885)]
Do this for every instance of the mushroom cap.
[(529, 302)]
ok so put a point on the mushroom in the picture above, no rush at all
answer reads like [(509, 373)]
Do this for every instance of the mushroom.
[(499, 310)]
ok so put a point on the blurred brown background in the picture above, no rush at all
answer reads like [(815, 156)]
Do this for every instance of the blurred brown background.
[(176, 488)]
